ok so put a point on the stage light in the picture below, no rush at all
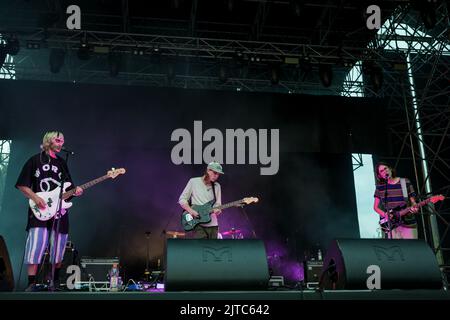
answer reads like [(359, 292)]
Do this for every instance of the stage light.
[(326, 74), (377, 78), (223, 77), (12, 46), (56, 59), (230, 4), (239, 55), (84, 50), (32, 45), (170, 71), (3, 54), (138, 51), (175, 4), (114, 61), (296, 7), (427, 11), (375, 74), (274, 75)]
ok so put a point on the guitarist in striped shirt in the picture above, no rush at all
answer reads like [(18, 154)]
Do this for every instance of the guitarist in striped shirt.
[(391, 195)]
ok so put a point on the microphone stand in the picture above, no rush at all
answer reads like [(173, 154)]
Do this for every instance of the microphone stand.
[(386, 208), (147, 273), (56, 232), (246, 216)]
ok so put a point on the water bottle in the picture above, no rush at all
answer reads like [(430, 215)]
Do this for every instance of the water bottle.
[(114, 278)]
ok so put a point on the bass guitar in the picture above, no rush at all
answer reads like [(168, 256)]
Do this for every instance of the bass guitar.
[(398, 214), (51, 198), (205, 210)]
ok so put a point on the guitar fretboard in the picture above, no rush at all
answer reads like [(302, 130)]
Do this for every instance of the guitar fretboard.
[(418, 205), (228, 205), (85, 186)]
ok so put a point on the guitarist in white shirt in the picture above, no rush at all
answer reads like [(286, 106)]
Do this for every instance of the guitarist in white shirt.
[(395, 197), (199, 191), (42, 173)]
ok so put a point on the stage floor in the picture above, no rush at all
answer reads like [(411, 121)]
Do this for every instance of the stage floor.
[(235, 295)]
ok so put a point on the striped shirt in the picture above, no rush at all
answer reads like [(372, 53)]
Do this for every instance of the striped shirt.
[(395, 196)]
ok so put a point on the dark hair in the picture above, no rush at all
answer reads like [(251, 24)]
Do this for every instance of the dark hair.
[(377, 174)]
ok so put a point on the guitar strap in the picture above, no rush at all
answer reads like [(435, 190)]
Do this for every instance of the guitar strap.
[(214, 193), (405, 192)]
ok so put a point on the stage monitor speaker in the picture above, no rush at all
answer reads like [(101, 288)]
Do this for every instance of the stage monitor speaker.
[(403, 264), (226, 264), (6, 273)]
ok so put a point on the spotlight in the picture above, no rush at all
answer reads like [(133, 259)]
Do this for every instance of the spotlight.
[(13, 46), (138, 51), (427, 10), (175, 4), (170, 71), (84, 50), (274, 75), (230, 4), (32, 45), (377, 78), (3, 54), (296, 7), (239, 55), (115, 62), (326, 74), (223, 78), (375, 74), (56, 59)]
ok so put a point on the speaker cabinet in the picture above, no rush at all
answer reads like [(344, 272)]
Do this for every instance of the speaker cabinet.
[(6, 273), (227, 264), (402, 264)]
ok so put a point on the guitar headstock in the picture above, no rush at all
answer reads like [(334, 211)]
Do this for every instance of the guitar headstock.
[(113, 173), (437, 198), (250, 200)]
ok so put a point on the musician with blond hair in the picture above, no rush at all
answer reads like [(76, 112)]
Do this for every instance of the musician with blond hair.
[(45, 172)]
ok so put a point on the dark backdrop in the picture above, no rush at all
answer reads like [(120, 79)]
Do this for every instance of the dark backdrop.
[(306, 204)]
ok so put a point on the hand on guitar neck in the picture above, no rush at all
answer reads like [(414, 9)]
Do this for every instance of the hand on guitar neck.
[(45, 205), (78, 192), (396, 215), (201, 213)]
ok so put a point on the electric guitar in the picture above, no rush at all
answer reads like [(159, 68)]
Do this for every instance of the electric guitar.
[(51, 198), (397, 214), (205, 210)]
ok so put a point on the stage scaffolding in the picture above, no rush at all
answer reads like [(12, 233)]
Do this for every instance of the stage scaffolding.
[(415, 65)]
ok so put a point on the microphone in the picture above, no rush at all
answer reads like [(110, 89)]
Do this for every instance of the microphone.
[(67, 150)]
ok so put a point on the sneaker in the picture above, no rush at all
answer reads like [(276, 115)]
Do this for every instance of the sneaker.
[(32, 288)]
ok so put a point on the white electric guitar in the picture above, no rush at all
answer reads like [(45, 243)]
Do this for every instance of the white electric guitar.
[(51, 198)]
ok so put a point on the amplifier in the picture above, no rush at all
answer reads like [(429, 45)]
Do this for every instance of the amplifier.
[(313, 270), (96, 269)]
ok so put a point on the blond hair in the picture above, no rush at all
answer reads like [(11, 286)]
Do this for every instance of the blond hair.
[(47, 139)]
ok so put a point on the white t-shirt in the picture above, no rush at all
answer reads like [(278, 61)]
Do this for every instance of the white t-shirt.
[(200, 193)]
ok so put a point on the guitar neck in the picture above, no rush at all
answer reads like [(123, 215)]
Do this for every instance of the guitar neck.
[(418, 205), (228, 205), (85, 186)]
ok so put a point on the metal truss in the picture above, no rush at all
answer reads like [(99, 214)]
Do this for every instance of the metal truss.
[(419, 124), (5, 146), (247, 64)]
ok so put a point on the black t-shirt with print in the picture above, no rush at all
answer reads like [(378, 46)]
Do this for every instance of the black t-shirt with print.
[(42, 173)]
